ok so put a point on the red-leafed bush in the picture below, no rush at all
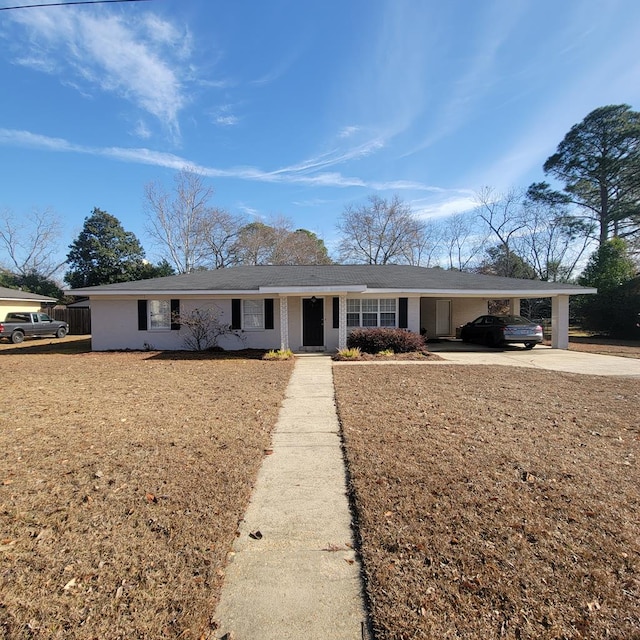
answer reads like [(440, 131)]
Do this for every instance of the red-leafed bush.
[(377, 340)]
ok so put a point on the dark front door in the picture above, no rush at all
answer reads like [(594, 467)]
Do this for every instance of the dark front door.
[(312, 322)]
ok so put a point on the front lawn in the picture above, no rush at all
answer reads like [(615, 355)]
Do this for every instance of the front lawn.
[(123, 477), (495, 502)]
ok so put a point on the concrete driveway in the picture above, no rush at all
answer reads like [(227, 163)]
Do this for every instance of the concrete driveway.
[(540, 357)]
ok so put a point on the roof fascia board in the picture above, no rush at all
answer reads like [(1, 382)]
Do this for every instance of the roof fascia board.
[(27, 299), (484, 293), (162, 292)]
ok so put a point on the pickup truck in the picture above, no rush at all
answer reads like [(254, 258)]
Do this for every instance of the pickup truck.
[(19, 325)]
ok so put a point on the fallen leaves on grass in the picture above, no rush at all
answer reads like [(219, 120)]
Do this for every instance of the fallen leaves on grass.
[(487, 508), (126, 475)]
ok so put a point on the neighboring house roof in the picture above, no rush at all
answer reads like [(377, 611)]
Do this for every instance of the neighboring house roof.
[(79, 304), (24, 296), (271, 280)]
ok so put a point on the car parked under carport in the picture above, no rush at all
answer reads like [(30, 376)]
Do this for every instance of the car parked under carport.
[(497, 331)]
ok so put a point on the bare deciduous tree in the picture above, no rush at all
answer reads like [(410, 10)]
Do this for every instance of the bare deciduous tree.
[(463, 241), (425, 245), (554, 242), (221, 233), (278, 243), (379, 232), (504, 217), (181, 222), (31, 243)]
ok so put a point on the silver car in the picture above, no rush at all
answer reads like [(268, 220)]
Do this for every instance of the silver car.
[(496, 331)]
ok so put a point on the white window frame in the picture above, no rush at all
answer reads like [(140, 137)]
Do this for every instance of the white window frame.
[(253, 319), (369, 313), (159, 315)]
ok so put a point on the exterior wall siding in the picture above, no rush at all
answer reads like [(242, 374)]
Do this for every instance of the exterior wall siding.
[(462, 310), (114, 325), (115, 321), (10, 306)]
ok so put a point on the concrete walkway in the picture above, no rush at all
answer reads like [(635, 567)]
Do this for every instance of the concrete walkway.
[(293, 573)]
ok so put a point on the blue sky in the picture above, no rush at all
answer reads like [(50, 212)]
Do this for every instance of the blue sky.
[(298, 109)]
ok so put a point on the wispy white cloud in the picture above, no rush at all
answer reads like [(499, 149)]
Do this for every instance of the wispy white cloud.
[(139, 59), (224, 116), (382, 86), (295, 174), (447, 204), (141, 130), (348, 132), (617, 69), (478, 76), (334, 157)]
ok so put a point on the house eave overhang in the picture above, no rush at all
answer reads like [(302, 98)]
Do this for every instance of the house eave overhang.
[(40, 300), (341, 289), (174, 293), (497, 294)]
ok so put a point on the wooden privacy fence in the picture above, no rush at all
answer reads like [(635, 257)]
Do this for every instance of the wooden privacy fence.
[(79, 319)]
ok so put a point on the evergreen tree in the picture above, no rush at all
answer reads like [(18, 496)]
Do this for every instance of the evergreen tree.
[(608, 267), (104, 253), (614, 309), (599, 163)]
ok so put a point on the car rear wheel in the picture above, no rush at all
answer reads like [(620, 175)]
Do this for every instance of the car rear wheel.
[(529, 345), (61, 332), (17, 337)]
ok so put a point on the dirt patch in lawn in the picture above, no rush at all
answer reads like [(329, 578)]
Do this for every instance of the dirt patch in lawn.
[(495, 502), (123, 477)]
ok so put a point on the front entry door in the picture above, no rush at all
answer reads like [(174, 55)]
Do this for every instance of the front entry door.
[(312, 322), (443, 317)]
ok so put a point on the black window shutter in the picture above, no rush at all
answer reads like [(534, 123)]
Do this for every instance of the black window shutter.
[(268, 313), (403, 313), (236, 311), (142, 315), (336, 313), (175, 315)]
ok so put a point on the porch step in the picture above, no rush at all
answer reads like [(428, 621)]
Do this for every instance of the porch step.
[(319, 349)]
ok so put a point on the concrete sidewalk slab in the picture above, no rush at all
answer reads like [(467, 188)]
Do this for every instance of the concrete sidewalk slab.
[(301, 578), (543, 357)]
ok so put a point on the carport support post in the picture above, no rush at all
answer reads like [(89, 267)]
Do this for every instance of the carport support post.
[(514, 306), (560, 322)]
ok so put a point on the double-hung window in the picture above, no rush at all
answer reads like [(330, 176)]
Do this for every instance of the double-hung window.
[(371, 312), (252, 314), (159, 314)]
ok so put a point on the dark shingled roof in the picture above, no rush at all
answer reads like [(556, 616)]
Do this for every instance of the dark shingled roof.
[(332, 278)]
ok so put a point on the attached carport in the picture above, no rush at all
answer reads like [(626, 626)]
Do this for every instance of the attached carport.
[(440, 315)]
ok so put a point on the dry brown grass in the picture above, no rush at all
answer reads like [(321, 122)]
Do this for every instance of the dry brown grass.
[(122, 480), (495, 502), (492, 502), (607, 346)]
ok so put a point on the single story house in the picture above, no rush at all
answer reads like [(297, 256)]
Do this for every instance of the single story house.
[(14, 300), (308, 308)]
